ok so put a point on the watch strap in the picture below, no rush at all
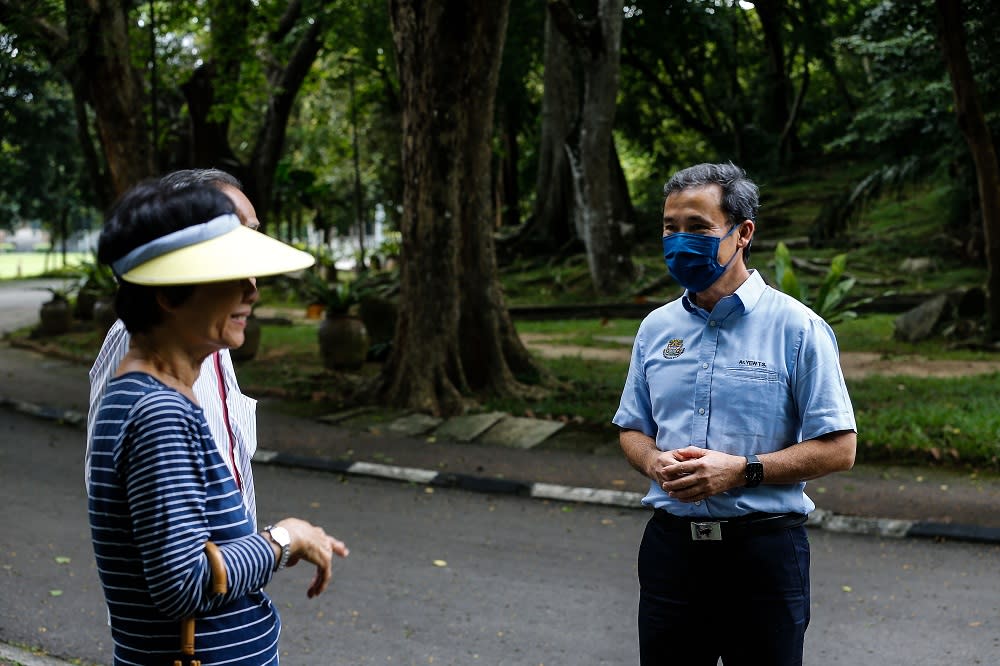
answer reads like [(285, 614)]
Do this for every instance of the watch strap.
[(754, 473), (286, 547)]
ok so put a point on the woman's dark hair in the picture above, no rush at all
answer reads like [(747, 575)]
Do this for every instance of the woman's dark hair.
[(148, 211)]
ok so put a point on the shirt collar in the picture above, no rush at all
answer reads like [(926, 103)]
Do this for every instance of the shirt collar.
[(744, 298)]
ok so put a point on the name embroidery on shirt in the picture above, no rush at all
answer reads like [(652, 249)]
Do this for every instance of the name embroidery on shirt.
[(674, 348), (753, 364)]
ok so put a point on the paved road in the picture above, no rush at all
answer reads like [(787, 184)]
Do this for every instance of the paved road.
[(20, 300), (525, 582)]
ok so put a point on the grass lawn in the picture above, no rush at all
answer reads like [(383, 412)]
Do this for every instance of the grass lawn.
[(35, 264)]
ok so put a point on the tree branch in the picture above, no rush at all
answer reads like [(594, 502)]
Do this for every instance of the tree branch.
[(287, 21), (687, 115)]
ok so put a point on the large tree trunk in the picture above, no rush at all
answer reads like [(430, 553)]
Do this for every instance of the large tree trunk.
[(508, 212), (775, 118), (285, 83), (98, 33), (454, 334), (215, 81), (972, 122), (553, 210), (598, 45)]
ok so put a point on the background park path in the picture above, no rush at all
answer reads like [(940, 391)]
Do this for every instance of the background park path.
[(855, 364)]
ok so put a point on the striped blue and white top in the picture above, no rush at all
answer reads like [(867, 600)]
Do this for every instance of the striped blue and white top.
[(208, 389), (158, 490)]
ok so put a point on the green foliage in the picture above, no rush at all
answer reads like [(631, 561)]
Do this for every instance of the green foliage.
[(97, 278), (885, 180), (833, 289), (41, 165), (954, 420), (63, 293), (336, 297)]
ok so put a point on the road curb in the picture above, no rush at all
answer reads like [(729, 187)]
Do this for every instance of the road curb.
[(890, 528), (19, 655), (821, 519)]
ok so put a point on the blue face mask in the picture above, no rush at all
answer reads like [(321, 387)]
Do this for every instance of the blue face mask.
[(693, 259)]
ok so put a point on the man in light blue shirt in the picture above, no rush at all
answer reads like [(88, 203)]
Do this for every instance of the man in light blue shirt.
[(734, 398)]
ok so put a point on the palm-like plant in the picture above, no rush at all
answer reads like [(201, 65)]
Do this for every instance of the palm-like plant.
[(337, 298), (829, 301)]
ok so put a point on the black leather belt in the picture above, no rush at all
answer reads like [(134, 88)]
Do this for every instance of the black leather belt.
[(705, 529)]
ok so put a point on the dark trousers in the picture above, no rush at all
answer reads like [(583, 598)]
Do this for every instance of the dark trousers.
[(745, 600)]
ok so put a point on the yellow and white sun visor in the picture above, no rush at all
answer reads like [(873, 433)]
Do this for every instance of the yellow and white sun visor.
[(215, 251)]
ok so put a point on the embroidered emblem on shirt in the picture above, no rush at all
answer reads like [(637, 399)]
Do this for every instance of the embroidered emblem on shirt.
[(753, 364), (674, 348)]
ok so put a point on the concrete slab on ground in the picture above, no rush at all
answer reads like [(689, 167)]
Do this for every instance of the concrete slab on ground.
[(411, 425), (468, 427), (520, 432)]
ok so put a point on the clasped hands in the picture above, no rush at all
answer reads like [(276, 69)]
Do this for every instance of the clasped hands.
[(692, 474)]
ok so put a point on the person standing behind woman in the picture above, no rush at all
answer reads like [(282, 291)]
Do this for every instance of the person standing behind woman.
[(159, 489), (231, 416)]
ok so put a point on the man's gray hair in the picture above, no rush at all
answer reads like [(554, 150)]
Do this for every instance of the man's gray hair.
[(188, 177), (740, 197)]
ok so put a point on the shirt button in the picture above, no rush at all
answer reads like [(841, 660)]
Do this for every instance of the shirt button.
[(701, 410), (705, 366), (712, 323), (697, 503)]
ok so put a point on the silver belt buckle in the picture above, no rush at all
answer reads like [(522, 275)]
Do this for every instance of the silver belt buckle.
[(711, 531)]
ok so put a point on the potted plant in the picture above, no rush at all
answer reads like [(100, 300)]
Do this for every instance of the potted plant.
[(378, 307), (343, 339), (55, 315), (96, 295), (251, 341)]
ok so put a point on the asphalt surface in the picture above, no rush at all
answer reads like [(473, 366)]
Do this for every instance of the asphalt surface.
[(455, 578)]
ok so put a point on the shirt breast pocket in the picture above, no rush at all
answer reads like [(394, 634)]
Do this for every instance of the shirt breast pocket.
[(744, 373), (750, 404)]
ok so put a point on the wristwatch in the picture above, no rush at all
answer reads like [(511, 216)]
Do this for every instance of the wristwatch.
[(281, 537), (754, 472)]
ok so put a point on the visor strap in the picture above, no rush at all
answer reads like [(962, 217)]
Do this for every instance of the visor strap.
[(196, 233)]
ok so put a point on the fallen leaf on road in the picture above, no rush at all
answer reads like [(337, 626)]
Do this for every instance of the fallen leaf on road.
[(975, 624), (55, 593), (63, 560), (440, 563), (847, 588)]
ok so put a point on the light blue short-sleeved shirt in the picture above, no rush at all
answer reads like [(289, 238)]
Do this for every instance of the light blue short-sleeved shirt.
[(757, 374)]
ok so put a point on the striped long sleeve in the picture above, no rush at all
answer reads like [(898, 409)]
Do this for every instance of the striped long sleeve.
[(159, 490)]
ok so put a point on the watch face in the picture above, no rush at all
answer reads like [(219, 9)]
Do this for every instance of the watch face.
[(280, 536)]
